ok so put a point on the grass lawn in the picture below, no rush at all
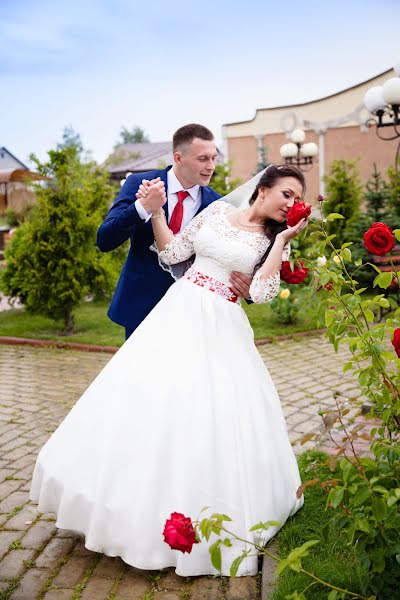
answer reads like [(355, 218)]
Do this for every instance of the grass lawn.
[(332, 560), (94, 327)]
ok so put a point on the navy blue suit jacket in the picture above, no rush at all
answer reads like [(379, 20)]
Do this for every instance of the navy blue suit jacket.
[(142, 282)]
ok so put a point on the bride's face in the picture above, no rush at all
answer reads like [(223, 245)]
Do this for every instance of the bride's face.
[(274, 203)]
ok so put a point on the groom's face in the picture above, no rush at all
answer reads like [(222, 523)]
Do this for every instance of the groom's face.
[(195, 162)]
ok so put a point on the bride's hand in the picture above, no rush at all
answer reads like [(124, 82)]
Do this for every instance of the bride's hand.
[(144, 187), (291, 232)]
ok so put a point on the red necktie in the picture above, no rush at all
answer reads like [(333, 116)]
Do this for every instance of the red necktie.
[(175, 223)]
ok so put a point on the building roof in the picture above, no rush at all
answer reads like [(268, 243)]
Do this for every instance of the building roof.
[(21, 175), (14, 157), (303, 104), (150, 155)]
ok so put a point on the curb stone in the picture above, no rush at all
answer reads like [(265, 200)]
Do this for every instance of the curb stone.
[(268, 578), (61, 345)]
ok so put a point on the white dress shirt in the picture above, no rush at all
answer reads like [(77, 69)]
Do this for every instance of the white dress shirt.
[(191, 203)]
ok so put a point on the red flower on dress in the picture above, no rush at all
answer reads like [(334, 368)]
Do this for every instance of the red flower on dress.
[(298, 211), (396, 341), (298, 275), (379, 239), (179, 532)]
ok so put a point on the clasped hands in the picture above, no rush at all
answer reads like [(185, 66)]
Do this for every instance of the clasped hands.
[(152, 196)]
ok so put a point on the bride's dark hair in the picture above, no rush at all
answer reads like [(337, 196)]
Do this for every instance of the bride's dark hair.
[(268, 180)]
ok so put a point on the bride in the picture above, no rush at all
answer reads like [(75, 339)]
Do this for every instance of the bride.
[(185, 415)]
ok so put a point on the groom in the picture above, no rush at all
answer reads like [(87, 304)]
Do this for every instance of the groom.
[(142, 282)]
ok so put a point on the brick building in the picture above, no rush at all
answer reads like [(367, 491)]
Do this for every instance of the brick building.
[(335, 123)]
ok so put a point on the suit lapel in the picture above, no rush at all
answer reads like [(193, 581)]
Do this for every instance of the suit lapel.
[(164, 178), (204, 199)]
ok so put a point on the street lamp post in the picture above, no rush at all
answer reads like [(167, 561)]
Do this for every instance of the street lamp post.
[(297, 152), (383, 102)]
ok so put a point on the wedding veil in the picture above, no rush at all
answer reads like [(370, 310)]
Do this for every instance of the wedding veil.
[(241, 195)]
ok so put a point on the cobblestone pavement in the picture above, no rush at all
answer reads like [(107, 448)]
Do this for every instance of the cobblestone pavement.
[(38, 386)]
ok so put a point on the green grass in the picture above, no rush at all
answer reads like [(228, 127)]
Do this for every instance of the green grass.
[(332, 560), (94, 327), (264, 323)]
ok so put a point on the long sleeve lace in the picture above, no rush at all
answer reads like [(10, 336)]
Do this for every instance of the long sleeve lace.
[(264, 291), (181, 247)]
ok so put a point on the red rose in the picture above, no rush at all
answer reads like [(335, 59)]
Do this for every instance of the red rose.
[(396, 341), (379, 239), (179, 532), (299, 211), (321, 198), (298, 275)]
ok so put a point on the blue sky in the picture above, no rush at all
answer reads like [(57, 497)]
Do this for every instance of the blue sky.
[(101, 64)]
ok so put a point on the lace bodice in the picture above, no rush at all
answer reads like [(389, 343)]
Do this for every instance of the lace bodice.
[(221, 248)]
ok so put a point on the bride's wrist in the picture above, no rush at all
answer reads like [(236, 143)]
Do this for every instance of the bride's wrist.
[(280, 240)]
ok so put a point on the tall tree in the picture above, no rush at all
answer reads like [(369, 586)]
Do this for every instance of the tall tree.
[(221, 181), (52, 261), (70, 138), (133, 136), (343, 196)]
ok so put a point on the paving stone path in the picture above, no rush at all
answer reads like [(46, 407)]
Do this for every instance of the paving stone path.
[(37, 388)]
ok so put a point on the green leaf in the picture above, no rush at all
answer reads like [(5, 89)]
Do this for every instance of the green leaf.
[(295, 565), (236, 564), (346, 254), (369, 315), (348, 366), (227, 542), (265, 525), (378, 563), (362, 525), (329, 317), (333, 594), (220, 517), (380, 489), (215, 552), (336, 496), (384, 302), (383, 280), (379, 509), (360, 497), (391, 501), (397, 234), (359, 291), (334, 216)]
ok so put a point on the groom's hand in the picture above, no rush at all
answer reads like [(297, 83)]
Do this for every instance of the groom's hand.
[(240, 284), (152, 195)]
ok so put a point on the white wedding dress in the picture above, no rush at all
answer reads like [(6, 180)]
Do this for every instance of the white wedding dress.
[(185, 415)]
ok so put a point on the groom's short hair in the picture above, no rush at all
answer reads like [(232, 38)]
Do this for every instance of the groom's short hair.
[(186, 134)]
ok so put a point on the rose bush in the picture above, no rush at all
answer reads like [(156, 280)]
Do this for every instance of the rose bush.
[(366, 489)]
